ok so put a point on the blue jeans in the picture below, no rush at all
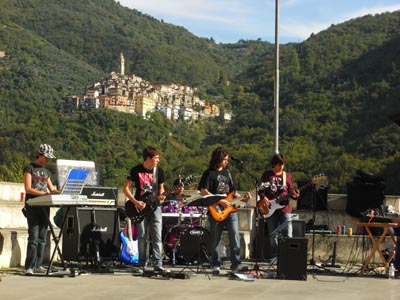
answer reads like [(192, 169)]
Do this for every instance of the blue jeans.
[(37, 235), (271, 224), (231, 223), (150, 227), (396, 260)]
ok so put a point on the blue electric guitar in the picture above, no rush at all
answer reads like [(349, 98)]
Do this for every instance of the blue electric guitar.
[(129, 253)]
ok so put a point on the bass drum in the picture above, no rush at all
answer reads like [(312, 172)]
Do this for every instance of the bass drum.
[(190, 243)]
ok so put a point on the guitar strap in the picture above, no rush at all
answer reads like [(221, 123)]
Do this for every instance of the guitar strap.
[(230, 177), (284, 179), (154, 189)]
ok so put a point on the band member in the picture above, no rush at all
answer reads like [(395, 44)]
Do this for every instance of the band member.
[(149, 180), (217, 179), (175, 200), (280, 184), (37, 183)]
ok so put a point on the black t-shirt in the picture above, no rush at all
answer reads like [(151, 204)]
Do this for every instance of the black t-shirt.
[(143, 179), (217, 182), (40, 175)]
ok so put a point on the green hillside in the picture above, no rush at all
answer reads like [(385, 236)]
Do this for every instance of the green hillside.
[(337, 89)]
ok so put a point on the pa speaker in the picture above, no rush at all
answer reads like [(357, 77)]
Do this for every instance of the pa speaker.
[(312, 199), (292, 259), (361, 197), (91, 233)]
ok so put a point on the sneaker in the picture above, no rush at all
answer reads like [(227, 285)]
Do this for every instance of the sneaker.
[(29, 272), (138, 270), (216, 270), (161, 269), (40, 270), (239, 268)]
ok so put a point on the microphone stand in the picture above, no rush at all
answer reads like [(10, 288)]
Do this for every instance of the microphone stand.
[(256, 266)]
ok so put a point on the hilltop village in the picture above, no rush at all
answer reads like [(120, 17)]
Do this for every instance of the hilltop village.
[(132, 94)]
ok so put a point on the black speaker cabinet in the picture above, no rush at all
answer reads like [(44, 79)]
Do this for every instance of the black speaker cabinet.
[(292, 259), (299, 228), (91, 233), (310, 196), (361, 197)]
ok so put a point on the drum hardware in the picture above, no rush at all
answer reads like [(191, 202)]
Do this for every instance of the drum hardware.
[(187, 244)]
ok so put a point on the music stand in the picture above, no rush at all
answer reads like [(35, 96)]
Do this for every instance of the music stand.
[(206, 200)]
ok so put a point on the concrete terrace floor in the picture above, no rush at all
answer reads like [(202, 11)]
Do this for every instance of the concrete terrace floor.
[(122, 283)]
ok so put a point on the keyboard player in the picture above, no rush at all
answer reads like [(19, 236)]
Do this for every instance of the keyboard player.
[(37, 183)]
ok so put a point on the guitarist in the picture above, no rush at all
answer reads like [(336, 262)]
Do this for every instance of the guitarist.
[(217, 179), (280, 184), (149, 182)]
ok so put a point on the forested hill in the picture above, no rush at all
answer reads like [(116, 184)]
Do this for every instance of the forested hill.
[(336, 90), (97, 31)]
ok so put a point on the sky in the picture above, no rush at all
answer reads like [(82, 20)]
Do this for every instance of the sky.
[(228, 21)]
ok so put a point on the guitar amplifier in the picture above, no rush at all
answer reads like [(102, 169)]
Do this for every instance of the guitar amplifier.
[(91, 233), (100, 193)]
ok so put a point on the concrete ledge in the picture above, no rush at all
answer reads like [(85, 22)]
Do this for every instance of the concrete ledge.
[(11, 191), (13, 243)]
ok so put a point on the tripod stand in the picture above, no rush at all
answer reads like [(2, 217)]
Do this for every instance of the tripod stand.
[(314, 194), (256, 268)]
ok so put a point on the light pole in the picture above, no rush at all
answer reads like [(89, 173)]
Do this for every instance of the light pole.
[(276, 81)]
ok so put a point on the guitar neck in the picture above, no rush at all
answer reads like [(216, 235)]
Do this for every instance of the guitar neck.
[(130, 237)]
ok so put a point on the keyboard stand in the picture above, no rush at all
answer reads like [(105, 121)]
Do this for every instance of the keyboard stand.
[(376, 242), (57, 239)]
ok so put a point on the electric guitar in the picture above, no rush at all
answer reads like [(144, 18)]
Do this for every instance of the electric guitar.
[(219, 213), (280, 202), (136, 215), (129, 253)]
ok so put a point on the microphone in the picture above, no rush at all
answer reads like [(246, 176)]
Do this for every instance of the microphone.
[(237, 160)]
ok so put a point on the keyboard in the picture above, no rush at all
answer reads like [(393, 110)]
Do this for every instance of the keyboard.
[(59, 200)]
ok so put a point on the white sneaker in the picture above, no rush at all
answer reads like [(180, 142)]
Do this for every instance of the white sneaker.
[(28, 272), (40, 270), (161, 269), (216, 270)]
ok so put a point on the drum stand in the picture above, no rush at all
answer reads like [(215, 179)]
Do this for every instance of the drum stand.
[(200, 267)]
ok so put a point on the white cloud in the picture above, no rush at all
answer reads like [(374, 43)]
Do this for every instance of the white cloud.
[(223, 11), (371, 11)]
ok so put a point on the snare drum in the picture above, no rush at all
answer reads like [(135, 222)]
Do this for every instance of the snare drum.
[(190, 243)]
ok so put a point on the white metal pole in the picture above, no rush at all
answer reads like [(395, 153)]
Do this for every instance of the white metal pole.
[(276, 86)]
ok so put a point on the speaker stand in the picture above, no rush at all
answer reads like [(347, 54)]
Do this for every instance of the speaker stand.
[(333, 258), (312, 260)]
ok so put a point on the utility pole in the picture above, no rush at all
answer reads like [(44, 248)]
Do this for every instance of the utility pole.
[(276, 81)]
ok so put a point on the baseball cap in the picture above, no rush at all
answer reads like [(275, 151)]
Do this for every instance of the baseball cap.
[(46, 150)]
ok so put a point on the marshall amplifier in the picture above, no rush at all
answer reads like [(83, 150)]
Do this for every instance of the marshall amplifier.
[(100, 195), (91, 233)]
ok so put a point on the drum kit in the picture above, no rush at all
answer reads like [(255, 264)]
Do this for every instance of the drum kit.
[(185, 235), (186, 238)]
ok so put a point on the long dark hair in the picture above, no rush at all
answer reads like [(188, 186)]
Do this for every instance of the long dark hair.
[(217, 156)]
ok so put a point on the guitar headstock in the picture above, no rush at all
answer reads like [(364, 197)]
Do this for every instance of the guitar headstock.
[(320, 179), (264, 185), (188, 180)]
